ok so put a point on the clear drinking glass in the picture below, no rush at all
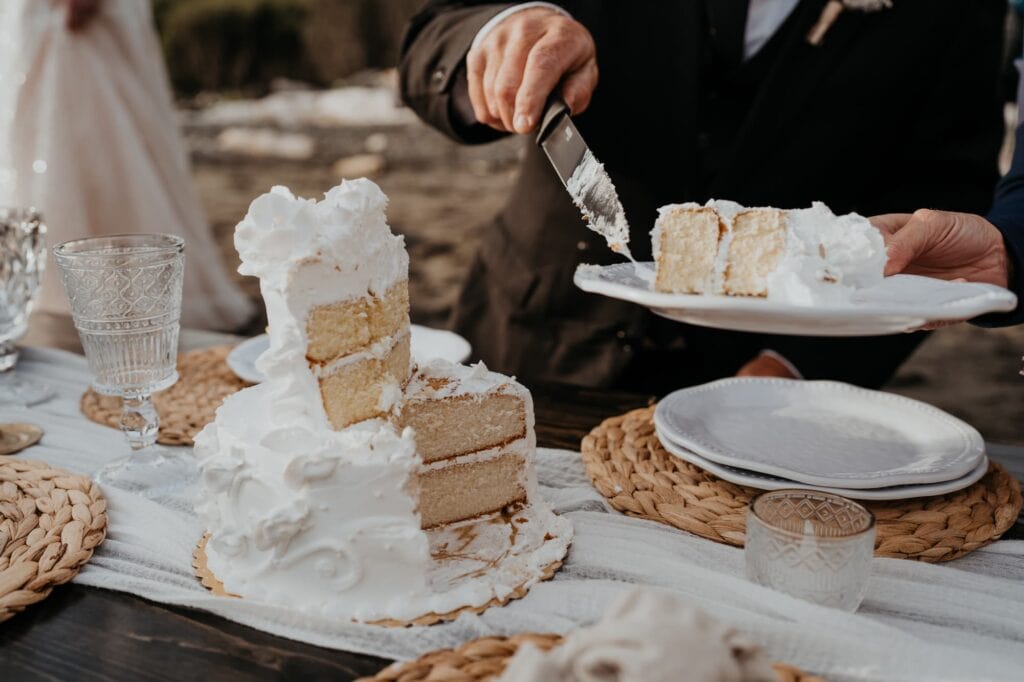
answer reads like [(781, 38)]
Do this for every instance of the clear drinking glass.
[(812, 545), (22, 260), (125, 295)]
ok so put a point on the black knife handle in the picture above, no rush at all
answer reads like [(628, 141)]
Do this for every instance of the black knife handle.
[(553, 110)]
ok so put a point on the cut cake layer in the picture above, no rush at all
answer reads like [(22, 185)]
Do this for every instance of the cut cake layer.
[(686, 249), (474, 432), (364, 386), (467, 489), (441, 425), (755, 250), (341, 328)]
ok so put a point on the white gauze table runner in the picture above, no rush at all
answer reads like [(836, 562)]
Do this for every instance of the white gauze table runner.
[(962, 620)]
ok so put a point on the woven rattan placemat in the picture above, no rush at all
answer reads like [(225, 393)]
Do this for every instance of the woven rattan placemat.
[(211, 582), (186, 407), (485, 659), (50, 523), (627, 464)]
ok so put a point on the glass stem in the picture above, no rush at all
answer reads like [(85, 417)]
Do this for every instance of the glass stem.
[(8, 355), (139, 421)]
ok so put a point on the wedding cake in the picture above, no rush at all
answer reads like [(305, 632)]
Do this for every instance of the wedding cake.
[(351, 483), (802, 256)]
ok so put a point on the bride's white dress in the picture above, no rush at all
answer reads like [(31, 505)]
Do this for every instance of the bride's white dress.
[(89, 136)]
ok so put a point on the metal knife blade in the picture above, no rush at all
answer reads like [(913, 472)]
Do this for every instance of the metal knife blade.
[(584, 176)]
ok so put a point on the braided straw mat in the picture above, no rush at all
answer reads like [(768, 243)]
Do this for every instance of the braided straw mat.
[(628, 465), (50, 523), (211, 582), (485, 659), (186, 407)]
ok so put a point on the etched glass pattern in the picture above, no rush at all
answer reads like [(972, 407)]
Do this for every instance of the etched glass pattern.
[(125, 296), (22, 240), (812, 545)]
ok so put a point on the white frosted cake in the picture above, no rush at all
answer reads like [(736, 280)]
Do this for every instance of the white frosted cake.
[(345, 483), (803, 256)]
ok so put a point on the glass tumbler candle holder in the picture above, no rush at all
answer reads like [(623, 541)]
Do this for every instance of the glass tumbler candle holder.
[(22, 261), (21, 270), (812, 545), (125, 296)]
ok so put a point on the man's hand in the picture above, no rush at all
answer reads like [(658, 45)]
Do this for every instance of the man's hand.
[(945, 245), (521, 61), (80, 13)]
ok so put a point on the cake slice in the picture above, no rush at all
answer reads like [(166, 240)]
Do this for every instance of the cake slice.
[(474, 432), (801, 256), (755, 250), (686, 239)]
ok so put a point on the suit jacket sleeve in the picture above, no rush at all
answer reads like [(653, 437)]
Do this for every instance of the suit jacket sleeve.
[(1007, 214), (432, 65)]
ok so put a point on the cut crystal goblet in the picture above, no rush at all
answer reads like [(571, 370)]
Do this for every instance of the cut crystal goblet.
[(125, 296)]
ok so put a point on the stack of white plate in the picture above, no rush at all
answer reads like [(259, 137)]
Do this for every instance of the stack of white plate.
[(775, 433)]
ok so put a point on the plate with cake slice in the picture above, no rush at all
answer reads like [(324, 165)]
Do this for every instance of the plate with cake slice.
[(802, 271)]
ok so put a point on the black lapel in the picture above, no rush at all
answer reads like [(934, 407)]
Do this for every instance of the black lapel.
[(727, 22), (793, 78)]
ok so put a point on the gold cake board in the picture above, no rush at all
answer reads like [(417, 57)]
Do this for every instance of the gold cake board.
[(479, 526), (628, 465), (485, 659), (204, 381), (50, 523)]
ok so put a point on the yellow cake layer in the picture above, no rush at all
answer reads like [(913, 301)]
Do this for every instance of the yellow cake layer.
[(758, 241), (687, 249), (465, 491), (352, 392), (449, 427), (338, 329)]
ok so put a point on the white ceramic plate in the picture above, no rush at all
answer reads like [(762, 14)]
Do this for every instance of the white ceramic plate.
[(426, 344), (901, 303), (822, 433), (765, 482)]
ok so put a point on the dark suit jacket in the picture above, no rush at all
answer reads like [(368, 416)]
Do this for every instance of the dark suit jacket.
[(897, 110), (1008, 215)]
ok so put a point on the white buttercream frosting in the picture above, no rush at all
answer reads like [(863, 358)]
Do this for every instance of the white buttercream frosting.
[(322, 520), (326, 521), (647, 635), (827, 257), (459, 380), (594, 194)]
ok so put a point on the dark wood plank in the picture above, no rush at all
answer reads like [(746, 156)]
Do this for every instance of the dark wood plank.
[(567, 413), (82, 633)]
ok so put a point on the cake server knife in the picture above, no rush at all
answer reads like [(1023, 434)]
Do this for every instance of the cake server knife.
[(583, 176)]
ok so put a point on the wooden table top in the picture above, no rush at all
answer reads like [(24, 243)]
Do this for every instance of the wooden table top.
[(84, 633)]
